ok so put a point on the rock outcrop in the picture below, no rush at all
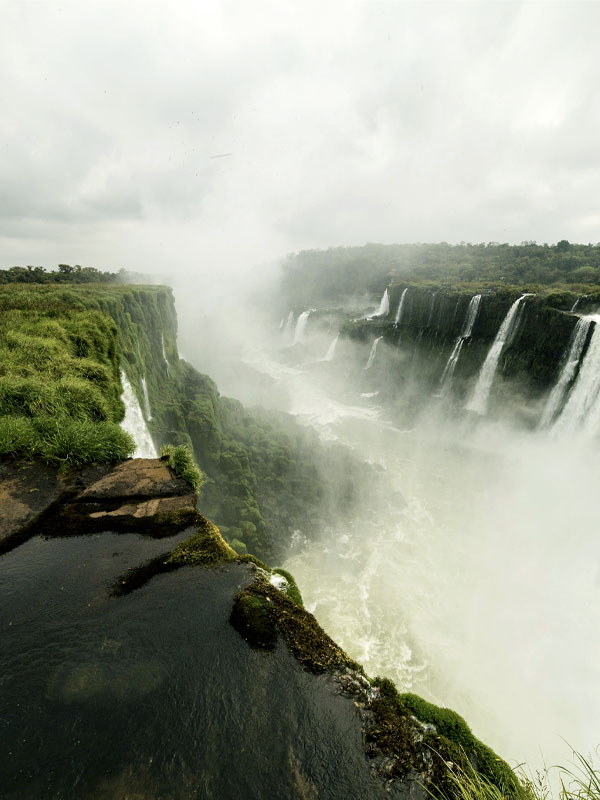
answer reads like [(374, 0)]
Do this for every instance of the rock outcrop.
[(140, 495)]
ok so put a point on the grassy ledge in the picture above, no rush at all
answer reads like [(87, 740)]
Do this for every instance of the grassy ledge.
[(181, 461)]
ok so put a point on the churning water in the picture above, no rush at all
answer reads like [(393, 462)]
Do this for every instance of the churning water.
[(482, 593)]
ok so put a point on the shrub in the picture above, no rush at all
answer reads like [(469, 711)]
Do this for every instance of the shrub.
[(181, 460)]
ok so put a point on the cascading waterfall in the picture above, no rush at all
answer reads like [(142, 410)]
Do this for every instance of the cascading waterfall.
[(384, 306), (289, 327), (431, 309), (400, 307), (372, 353), (164, 353), (582, 409), (479, 400), (147, 412), (559, 392), (301, 326), (576, 303), (331, 349), (465, 334), (134, 422)]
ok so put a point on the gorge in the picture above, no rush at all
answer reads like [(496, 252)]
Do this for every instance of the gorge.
[(427, 537)]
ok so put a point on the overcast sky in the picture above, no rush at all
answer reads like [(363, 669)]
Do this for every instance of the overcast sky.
[(223, 134)]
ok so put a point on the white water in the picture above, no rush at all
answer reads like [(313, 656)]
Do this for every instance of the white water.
[(558, 393), (373, 352), (582, 410), (134, 422), (288, 331), (331, 349), (147, 412), (431, 309), (467, 330), (482, 593), (481, 393), (164, 354), (384, 306), (301, 327), (400, 307)]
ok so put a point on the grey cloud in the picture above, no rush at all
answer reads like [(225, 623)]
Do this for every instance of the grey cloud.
[(347, 122)]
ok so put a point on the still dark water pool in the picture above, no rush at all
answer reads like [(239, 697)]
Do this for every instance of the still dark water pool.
[(154, 695)]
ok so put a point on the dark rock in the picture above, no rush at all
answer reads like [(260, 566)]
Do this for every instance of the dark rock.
[(138, 477)]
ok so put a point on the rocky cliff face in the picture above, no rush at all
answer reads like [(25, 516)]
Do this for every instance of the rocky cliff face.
[(421, 342)]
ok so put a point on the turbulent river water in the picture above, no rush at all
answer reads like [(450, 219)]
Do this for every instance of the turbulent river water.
[(482, 593)]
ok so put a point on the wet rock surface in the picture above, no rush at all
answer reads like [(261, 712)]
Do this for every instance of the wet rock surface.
[(141, 495)]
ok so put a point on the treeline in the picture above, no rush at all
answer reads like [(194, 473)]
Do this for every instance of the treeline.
[(64, 274), (341, 273)]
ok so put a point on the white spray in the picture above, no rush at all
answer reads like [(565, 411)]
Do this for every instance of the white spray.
[(331, 349), (301, 327)]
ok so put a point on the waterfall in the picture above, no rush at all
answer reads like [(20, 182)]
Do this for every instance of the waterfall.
[(582, 408), (147, 412), (431, 309), (134, 422), (372, 353), (300, 326), (466, 332), (576, 303), (384, 306), (558, 393), (164, 354), (400, 307), (331, 349), (479, 400), (289, 327)]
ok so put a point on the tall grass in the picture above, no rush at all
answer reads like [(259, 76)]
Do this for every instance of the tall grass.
[(59, 381), (578, 781), (181, 460)]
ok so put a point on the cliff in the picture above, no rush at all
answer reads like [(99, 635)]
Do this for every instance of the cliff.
[(416, 348)]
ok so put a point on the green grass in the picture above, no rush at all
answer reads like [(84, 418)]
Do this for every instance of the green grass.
[(181, 460), (65, 440), (60, 386), (578, 781)]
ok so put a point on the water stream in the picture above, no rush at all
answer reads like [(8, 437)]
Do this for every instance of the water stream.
[(134, 422), (481, 393)]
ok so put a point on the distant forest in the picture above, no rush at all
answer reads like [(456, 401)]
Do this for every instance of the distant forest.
[(314, 276), (64, 274)]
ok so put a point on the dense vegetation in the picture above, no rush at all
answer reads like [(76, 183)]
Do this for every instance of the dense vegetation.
[(328, 277), (59, 382), (267, 476)]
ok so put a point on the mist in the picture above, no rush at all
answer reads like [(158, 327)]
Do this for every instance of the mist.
[(471, 575)]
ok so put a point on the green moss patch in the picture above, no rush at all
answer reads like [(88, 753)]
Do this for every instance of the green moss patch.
[(261, 610), (442, 732), (204, 548)]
